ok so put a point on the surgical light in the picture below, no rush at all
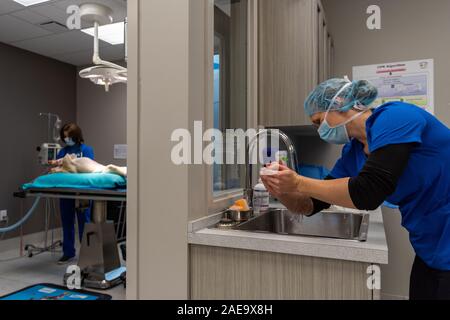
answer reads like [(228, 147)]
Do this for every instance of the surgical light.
[(28, 3), (103, 73), (111, 33)]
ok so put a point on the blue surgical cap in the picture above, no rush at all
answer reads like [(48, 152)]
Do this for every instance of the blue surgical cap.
[(346, 95)]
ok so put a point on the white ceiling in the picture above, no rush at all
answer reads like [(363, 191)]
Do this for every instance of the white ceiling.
[(21, 27)]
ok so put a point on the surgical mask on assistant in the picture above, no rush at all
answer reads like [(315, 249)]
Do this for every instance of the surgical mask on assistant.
[(69, 142), (337, 134)]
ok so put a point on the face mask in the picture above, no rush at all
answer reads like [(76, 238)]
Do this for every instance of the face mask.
[(337, 134), (69, 142)]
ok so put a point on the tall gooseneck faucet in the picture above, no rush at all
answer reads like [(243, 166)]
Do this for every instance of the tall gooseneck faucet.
[(292, 162)]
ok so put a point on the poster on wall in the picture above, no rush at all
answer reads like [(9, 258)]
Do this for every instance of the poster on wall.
[(409, 81)]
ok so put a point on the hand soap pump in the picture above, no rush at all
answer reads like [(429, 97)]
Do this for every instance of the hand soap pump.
[(261, 199)]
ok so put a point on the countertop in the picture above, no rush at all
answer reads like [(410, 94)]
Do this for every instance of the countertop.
[(374, 250)]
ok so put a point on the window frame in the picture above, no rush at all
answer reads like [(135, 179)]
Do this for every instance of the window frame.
[(218, 201)]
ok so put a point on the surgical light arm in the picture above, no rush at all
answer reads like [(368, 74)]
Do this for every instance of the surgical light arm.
[(96, 58), (103, 72)]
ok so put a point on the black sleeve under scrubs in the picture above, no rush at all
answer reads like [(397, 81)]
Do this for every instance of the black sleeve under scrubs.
[(378, 178)]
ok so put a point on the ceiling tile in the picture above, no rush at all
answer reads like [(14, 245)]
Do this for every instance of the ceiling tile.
[(54, 27), (58, 44), (20, 27), (30, 16), (13, 29), (8, 6), (119, 7), (52, 12)]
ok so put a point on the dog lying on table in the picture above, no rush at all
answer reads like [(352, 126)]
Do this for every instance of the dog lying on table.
[(71, 164)]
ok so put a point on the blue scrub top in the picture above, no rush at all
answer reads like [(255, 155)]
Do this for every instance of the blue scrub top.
[(80, 150), (423, 190)]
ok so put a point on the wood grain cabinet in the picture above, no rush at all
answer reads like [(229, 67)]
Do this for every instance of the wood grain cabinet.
[(233, 274), (295, 54)]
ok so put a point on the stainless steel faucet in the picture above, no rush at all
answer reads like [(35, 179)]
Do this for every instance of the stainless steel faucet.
[(292, 158)]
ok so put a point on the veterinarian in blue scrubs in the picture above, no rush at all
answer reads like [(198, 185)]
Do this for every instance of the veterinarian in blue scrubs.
[(72, 136), (398, 153)]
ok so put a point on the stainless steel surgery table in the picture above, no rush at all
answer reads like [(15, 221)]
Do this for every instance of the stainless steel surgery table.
[(99, 260)]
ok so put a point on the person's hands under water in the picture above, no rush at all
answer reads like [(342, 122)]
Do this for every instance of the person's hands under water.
[(281, 182)]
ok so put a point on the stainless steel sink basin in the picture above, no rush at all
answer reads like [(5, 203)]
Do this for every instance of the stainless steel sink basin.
[(328, 224)]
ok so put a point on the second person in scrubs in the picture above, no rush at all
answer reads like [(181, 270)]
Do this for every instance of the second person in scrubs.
[(72, 136)]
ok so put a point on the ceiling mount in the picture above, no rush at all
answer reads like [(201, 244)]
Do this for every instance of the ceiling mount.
[(95, 12)]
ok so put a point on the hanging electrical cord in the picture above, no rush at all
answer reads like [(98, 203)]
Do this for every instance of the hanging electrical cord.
[(23, 220)]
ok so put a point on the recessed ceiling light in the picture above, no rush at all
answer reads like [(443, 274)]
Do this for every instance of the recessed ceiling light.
[(111, 33), (28, 3)]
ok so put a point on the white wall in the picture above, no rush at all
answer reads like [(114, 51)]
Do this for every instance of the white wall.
[(158, 103), (411, 29)]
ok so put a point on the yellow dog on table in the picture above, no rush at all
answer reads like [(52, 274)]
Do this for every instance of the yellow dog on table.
[(71, 164)]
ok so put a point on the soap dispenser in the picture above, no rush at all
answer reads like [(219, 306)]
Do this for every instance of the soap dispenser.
[(261, 198)]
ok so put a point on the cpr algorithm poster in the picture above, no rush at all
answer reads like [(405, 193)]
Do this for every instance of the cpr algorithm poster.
[(409, 81)]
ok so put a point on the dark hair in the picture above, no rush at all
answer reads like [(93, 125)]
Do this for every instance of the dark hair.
[(73, 131)]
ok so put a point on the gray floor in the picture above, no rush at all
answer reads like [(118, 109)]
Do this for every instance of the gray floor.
[(17, 273)]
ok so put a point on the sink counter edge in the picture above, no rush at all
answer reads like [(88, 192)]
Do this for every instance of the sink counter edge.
[(374, 250)]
